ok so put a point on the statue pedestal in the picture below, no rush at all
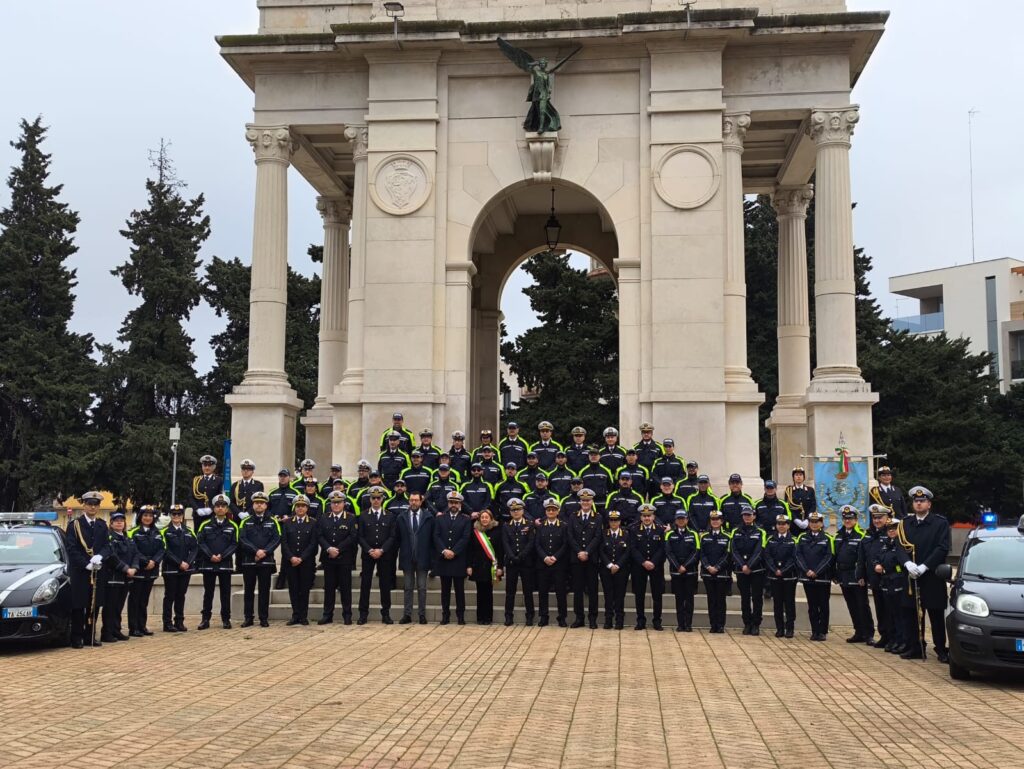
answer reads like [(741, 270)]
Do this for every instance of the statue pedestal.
[(542, 154)]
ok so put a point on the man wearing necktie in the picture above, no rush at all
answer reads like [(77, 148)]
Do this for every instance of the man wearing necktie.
[(378, 541), (615, 556), (338, 536), (415, 543), (552, 561), (243, 489), (585, 530), (205, 487), (452, 530)]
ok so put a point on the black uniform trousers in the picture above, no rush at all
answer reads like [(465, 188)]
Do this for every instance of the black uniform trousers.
[(717, 590), (551, 578), (385, 570), (211, 581), (584, 582), (138, 603), (337, 579), (882, 614), (856, 598), (515, 573), (300, 582), (784, 603), (641, 578), (113, 605), (751, 597), (615, 595), (684, 586), (912, 626), (446, 597), (817, 593), (484, 601), (254, 577), (175, 587), (895, 604)]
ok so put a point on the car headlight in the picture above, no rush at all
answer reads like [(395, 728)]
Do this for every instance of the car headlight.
[(973, 605), (46, 592)]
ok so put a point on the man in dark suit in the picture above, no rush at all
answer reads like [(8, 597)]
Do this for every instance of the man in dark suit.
[(415, 546), (378, 541), (927, 534), (87, 542), (451, 539), (338, 534)]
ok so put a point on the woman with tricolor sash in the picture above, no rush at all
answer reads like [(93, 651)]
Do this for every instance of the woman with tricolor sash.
[(484, 564)]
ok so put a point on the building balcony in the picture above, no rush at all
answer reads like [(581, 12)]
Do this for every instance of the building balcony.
[(930, 323)]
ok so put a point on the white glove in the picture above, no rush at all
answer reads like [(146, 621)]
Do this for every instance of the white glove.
[(911, 568), (163, 521), (205, 511), (88, 566), (801, 522), (96, 560), (242, 516), (921, 569)]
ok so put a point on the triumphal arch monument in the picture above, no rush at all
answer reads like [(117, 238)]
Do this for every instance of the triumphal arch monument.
[(416, 135)]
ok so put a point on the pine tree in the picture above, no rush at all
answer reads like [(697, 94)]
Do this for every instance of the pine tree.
[(46, 372), (572, 357), (151, 382)]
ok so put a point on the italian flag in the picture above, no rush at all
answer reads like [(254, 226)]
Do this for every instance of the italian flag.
[(485, 543), (843, 458)]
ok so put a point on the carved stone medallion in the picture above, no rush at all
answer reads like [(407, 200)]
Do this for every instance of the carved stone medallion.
[(400, 185)]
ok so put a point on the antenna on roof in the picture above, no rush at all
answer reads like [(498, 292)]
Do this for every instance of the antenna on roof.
[(970, 158), (687, 6)]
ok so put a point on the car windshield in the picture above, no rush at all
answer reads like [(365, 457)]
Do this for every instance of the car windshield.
[(28, 546), (996, 558)]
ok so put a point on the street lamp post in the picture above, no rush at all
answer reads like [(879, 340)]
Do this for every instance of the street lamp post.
[(175, 436)]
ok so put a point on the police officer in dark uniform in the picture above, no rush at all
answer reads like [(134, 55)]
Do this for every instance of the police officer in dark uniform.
[(596, 476), (217, 542), (927, 535), (899, 596), (626, 501), (307, 470), (280, 500), (701, 505), (667, 503), (405, 435), (715, 560), (517, 554), (477, 493), (149, 549), (648, 542), (298, 548), (509, 488), (431, 454), (87, 541), (486, 440), (688, 484), (545, 448), (648, 450), (577, 454), (780, 567), (379, 543), (616, 558), (119, 567), (458, 455), (529, 474), (513, 448), (492, 472), (801, 499), (669, 465), (315, 504), (338, 536), (613, 456), (814, 561), (682, 550), (452, 530), (870, 556), (243, 489), (889, 495), (560, 477), (393, 460), (329, 483), (733, 503), (640, 475), (398, 505), (571, 504), (770, 507), (258, 539), (179, 563), (360, 484), (552, 548), (747, 549), (417, 476), (585, 536), (205, 487), (444, 484), (849, 574)]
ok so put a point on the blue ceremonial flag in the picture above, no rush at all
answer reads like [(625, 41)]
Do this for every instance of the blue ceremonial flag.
[(227, 466), (834, 488)]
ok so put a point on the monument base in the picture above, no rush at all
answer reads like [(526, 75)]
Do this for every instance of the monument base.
[(837, 408), (319, 424), (788, 426), (263, 421)]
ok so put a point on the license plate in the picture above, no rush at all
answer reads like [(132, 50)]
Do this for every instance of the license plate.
[(1020, 644), (31, 611)]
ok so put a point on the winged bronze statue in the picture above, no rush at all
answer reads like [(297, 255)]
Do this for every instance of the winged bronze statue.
[(542, 117)]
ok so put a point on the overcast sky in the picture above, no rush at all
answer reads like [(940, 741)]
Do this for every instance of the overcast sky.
[(111, 78)]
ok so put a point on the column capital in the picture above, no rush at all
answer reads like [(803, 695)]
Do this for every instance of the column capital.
[(359, 135), (833, 125), (270, 142), (336, 210), (734, 129), (792, 201)]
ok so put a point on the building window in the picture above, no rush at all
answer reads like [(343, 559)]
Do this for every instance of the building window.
[(992, 319)]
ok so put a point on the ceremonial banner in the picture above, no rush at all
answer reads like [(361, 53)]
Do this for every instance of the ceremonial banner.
[(841, 481)]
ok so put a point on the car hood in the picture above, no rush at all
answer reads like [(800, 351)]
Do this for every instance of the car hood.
[(19, 583), (999, 596)]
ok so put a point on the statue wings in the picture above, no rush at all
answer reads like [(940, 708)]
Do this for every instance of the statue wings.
[(524, 60)]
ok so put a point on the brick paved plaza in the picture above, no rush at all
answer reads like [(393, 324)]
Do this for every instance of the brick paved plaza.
[(471, 696)]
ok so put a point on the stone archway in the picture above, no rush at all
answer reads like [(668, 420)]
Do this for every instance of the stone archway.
[(510, 230)]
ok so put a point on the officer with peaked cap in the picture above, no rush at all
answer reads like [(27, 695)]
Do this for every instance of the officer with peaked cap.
[(217, 542), (648, 450), (927, 538), (648, 566), (888, 494), (243, 489), (616, 560), (258, 540), (552, 545), (848, 542), (180, 552), (149, 547), (459, 456), (576, 454), (378, 540), (613, 456), (870, 557), (780, 568), (517, 554), (716, 571), (682, 550), (205, 487), (452, 530), (298, 550), (119, 568), (546, 449), (815, 561), (338, 536), (307, 469), (585, 535)]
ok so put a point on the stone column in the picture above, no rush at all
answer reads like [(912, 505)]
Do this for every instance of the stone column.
[(734, 129), (352, 381), (834, 290), (788, 421), (264, 407), (838, 400)]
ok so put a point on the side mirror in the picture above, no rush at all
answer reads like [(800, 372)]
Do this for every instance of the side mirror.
[(944, 572)]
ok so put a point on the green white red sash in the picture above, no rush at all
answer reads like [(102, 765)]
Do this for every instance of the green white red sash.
[(485, 543)]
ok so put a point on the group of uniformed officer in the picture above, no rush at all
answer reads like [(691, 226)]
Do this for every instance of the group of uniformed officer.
[(544, 519)]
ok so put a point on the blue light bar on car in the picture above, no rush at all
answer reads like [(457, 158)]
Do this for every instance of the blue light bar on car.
[(989, 519), (44, 515)]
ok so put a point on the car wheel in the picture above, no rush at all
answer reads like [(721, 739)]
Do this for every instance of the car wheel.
[(958, 672)]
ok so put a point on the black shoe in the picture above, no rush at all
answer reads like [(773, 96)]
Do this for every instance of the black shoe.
[(204, 625), (869, 641), (687, 628), (640, 625), (423, 619), (911, 654), (508, 621), (607, 624), (593, 623), (542, 622), (656, 624), (562, 623), (898, 649), (780, 633), (226, 624), (361, 621), (405, 620), (856, 638), (460, 620), (77, 643), (942, 656), (264, 623), (247, 623), (680, 629), (529, 620), (304, 621), (814, 636), (445, 619), (120, 636), (325, 621), (292, 622), (346, 621), (107, 638), (136, 634), (97, 642), (746, 630), (618, 625), (387, 620), (577, 623), (170, 629), (146, 631), (789, 632), (180, 627), (755, 630)]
